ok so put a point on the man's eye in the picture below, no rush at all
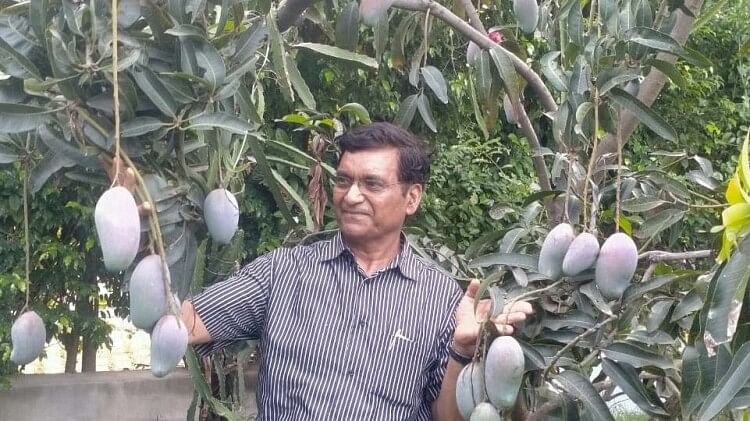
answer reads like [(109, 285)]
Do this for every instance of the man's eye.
[(373, 185)]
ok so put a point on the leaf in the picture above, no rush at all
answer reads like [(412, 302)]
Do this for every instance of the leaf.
[(626, 378), (642, 204), (612, 78), (17, 118), (580, 81), (153, 87), (347, 27), (38, 16), (662, 42), (575, 24), (47, 167), (339, 53), (140, 126), (734, 379), (659, 222), (729, 285), (423, 105), (278, 59), (225, 121), (436, 82), (209, 59), (636, 356), (590, 290), (692, 376), (380, 39), (582, 389), (128, 12), (507, 72), (645, 114), (299, 84), (266, 172), (7, 155), (406, 111), (689, 304), (668, 69), (534, 359), (21, 60), (297, 198), (552, 72), (358, 110), (249, 41), (702, 179), (523, 261), (572, 319), (85, 157)]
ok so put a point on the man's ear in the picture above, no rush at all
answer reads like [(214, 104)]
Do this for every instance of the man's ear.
[(413, 198)]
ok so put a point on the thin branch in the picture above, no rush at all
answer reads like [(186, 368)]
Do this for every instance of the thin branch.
[(649, 273), (662, 256), (536, 147), (471, 13), (575, 342), (463, 27), (541, 412)]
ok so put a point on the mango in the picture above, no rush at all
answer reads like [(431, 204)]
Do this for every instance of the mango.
[(553, 250), (222, 215), (147, 294), (169, 341), (118, 227), (470, 389), (503, 371), (371, 10), (581, 254), (616, 265), (28, 336), (527, 14), (485, 412)]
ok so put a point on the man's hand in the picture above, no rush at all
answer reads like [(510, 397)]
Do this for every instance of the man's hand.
[(468, 322)]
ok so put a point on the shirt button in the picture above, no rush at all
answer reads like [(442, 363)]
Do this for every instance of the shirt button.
[(362, 322), (350, 373)]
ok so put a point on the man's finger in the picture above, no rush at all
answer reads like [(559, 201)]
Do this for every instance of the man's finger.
[(504, 329), (520, 307), (471, 290), (144, 209), (510, 318)]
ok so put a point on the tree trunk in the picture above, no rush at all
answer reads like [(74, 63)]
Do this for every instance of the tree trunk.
[(70, 342), (88, 308)]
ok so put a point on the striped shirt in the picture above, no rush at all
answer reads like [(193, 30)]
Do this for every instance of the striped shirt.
[(335, 343)]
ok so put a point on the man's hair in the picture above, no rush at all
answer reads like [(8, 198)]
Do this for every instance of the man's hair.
[(414, 153)]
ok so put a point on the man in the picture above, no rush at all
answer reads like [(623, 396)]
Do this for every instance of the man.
[(356, 327)]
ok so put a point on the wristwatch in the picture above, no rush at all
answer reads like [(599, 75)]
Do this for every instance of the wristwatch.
[(458, 357)]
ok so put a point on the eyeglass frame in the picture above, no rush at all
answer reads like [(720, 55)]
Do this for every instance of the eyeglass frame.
[(379, 189)]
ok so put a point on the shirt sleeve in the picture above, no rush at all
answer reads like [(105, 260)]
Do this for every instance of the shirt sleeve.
[(440, 352), (235, 309)]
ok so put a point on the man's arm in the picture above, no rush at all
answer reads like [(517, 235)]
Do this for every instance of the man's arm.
[(197, 332), (445, 407)]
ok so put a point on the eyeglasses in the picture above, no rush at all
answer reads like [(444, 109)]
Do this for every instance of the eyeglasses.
[(368, 185)]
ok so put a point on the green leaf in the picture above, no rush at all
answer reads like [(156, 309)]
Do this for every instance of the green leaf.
[(153, 87), (297, 198), (626, 378), (729, 285), (278, 58), (689, 304), (636, 356), (488, 239), (339, 53), (8, 155), (579, 82), (128, 12), (734, 379), (17, 118), (692, 376), (436, 82), (266, 172), (224, 121), (659, 222), (406, 111), (380, 40), (21, 60), (140, 126), (249, 41), (568, 320), (85, 157), (662, 42), (582, 389), (484, 77), (645, 114), (347, 27), (423, 105), (358, 110), (38, 16), (575, 24), (534, 359), (46, 168), (668, 69), (552, 72), (523, 261), (642, 204), (608, 79), (299, 84), (209, 59), (507, 72)]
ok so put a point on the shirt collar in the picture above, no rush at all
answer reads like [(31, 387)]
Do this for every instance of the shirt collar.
[(406, 261)]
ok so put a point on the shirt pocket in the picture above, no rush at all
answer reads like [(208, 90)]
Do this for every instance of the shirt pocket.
[(398, 379)]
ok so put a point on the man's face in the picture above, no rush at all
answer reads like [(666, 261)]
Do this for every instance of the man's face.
[(369, 201)]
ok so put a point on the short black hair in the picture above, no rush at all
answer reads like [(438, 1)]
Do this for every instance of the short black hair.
[(414, 153)]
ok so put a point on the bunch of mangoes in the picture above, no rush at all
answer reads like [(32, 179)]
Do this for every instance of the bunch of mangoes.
[(564, 253)]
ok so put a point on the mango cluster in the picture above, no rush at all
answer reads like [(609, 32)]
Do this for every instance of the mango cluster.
[(564, 253), (484, 388)]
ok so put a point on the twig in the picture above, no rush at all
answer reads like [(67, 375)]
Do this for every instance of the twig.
[(575, 341), (27, 238), (463, 27), (661, 256), (116, 93), (649, 273)]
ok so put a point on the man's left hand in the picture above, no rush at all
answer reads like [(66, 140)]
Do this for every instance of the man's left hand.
[(468, 321)]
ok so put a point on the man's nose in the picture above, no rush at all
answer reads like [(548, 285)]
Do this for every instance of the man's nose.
[(354, 194)]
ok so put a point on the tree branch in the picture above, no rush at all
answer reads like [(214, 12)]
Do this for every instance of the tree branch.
[(654, 82), (471, 13), (557, 402), (463, 27), (661, 256)]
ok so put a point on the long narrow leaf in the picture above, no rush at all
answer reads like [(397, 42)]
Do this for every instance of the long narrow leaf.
[(644, 114), (734, 379), (339, 53), (582, 389), (265, 170), (297, 198)]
